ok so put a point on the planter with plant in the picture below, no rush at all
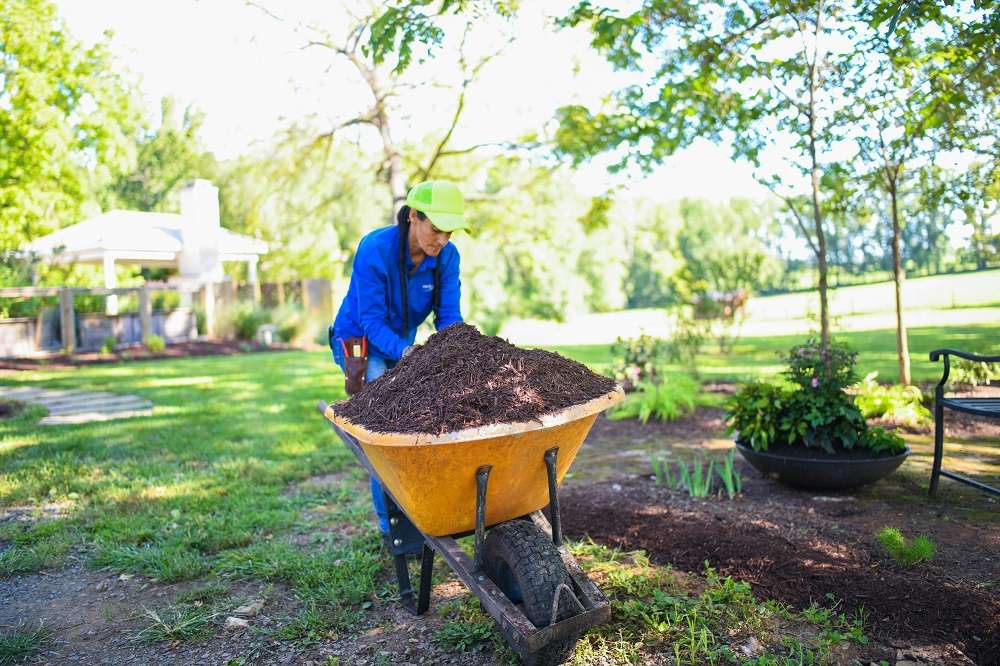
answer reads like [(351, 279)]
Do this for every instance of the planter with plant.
[(811, 433)]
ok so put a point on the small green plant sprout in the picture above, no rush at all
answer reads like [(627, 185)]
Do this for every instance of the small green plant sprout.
[(921, 549), (697, 481), (661, 470), (108, 346), (155, 343), (731, 480)]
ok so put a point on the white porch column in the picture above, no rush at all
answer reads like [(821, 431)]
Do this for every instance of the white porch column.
[(110, 282), (252, 279)]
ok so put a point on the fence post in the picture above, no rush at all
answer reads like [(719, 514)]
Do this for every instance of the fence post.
[(304, 287), (67, 320), (255, 286), (145, 314), (208, 305)]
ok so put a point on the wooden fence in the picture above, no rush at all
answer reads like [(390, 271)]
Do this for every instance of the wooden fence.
[(63, 328)]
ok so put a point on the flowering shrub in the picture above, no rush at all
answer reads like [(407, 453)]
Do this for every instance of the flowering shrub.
[(815, 412)]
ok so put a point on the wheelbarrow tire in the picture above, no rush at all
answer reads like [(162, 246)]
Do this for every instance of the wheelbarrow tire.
[(524, 563)]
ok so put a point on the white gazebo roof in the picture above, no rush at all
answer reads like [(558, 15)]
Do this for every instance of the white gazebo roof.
[(135, 236)]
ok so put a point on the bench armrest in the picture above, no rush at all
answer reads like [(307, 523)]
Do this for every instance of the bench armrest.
[(937, 353)]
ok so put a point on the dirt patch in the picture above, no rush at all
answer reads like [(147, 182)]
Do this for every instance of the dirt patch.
[(10, 408), (179, 350), (799, 548), (95, 618), (461, 378)]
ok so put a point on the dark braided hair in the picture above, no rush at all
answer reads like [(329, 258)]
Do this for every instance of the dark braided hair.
[(403, 222)]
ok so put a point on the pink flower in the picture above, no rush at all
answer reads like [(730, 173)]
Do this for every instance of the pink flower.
[(815, 382)]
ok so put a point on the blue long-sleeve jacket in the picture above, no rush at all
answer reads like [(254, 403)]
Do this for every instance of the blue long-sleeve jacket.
[(373, 305)]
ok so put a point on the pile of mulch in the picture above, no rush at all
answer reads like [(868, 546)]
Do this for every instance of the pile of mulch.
[(176, 350), (461, 378), (797, 549)]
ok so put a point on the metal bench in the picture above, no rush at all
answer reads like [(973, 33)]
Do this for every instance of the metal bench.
[(984, 407)]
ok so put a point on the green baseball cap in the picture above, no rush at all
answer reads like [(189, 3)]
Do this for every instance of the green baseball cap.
[(441, 201)]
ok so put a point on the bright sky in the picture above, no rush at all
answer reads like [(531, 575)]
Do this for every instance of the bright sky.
[(252, 76)]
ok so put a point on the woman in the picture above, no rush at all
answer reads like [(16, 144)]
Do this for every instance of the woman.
[(400, 274)]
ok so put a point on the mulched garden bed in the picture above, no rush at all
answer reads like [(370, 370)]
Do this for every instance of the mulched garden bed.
[(799, 548), (178, 350)]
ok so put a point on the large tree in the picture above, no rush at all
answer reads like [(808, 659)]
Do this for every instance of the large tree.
[(167, 156), (759, 76), (66, 122)]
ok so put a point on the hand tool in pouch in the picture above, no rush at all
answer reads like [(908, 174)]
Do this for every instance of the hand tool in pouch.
[(355, 362)]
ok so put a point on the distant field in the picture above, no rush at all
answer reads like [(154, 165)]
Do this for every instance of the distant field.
[(758, 357), (954, 301)]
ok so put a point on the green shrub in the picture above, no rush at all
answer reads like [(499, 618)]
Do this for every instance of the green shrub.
[(155, 343), (108, 347), (972, 373), (242, 320), (165, 301), (673, 397), (815, 413), (636, 360), (899, 404), (921, 549), (291, 321), (199, 320), (755, 413)]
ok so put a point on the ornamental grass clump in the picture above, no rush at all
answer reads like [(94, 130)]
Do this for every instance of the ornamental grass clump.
[(815, 411), (904, 552)]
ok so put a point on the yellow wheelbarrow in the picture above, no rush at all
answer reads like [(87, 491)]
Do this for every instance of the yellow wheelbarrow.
[(497, 478)]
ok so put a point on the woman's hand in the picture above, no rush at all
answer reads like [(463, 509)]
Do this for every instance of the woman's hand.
[(409, 350)]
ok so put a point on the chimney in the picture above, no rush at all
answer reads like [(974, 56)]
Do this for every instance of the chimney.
[(199, 256)]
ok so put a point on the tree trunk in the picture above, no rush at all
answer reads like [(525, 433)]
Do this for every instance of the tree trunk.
[(824, 305), (902, 346)]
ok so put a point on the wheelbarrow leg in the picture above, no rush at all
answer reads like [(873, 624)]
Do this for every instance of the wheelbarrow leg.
[(405, 540), (482, 478), (426, 569), (550, 467), (403, 577)]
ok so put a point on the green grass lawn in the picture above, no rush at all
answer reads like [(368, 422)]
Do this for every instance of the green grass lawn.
[(219, 485), (203, 488)]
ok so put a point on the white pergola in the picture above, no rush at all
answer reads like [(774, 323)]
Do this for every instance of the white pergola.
[(193, 241)]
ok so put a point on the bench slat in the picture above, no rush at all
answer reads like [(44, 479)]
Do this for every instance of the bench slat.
[(988, 407)]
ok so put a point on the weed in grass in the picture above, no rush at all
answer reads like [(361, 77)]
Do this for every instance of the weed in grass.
[(164, 563), (460, 636), (21, 558), (177, 623), (21, 643), (203, 594), (309, 627), (906, 553)]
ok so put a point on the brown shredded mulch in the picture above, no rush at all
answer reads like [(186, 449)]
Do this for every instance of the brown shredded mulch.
[(798, 548), (461, 378)]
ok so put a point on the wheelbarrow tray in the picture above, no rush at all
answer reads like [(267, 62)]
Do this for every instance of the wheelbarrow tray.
[(431, 476)]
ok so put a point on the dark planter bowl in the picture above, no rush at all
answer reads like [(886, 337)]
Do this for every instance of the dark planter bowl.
[(829, 473)]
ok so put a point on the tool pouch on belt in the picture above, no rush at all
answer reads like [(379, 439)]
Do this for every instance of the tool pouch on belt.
[(355, 363)]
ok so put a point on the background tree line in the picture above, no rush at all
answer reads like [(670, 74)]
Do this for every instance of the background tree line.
[(863, 118)]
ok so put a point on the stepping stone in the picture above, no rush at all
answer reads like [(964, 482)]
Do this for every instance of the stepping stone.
[(78, 406)]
